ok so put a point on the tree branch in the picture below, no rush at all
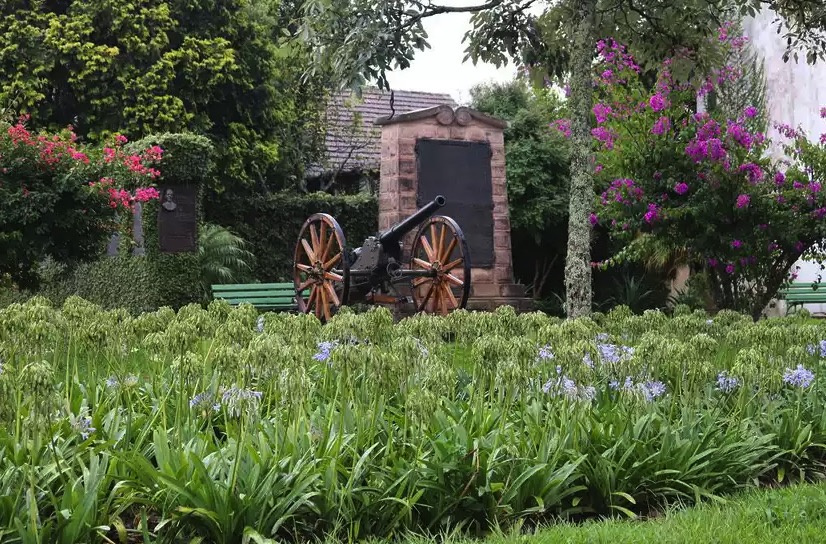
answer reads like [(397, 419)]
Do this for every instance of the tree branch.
[(431, 10), (653, 21)]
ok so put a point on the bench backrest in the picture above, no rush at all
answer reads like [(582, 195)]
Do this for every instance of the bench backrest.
[(277, 296), (803, 291)]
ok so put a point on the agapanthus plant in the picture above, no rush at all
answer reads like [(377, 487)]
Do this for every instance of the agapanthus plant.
[(702, 184)]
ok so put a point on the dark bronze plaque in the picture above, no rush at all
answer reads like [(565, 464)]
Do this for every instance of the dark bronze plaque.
[(461, 172), (178, 219)]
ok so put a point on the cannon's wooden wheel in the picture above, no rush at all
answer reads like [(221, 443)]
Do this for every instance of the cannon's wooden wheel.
[(440, 246), (321, 273)]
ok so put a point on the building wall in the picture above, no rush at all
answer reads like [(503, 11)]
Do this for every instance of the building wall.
[(795, 94)]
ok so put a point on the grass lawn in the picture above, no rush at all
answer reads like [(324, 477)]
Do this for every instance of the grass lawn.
[(794, 514)]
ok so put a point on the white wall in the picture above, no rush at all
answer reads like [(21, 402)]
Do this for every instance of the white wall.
[(796, 92)]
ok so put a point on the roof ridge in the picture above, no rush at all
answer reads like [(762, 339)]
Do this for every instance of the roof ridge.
[(376, 90)]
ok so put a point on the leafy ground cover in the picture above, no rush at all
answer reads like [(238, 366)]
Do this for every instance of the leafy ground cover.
[(222, 425)]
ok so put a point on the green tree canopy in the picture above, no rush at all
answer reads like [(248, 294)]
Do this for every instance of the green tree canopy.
[(537, 176), (217, 68)]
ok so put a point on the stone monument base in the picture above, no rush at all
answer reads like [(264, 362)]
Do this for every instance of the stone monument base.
[(489, 296), (483, 297)]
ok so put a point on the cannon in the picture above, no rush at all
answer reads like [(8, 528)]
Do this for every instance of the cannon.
[(328, 274)]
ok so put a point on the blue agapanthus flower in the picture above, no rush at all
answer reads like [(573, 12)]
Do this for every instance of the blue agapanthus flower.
[(82, 424), (612, 353), (726, 383), (259, 325), (652, 389), (627, 385), (85, 427), (324, 349), (563, 385), (204, 401), (546, 353), (799, 377)]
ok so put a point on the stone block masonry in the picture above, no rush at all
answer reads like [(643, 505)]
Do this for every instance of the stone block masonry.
[(399, 189)]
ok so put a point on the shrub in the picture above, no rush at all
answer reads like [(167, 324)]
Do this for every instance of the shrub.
[(62, 199), (187, 158), (703, 184)]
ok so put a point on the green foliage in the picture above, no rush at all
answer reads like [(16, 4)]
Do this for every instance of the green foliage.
[(537, 177), (270, 224), (136, 284), (62, 199), (223, 257), (217, 423), (187, 158), (217, 68), (146, 283), (537, 165)]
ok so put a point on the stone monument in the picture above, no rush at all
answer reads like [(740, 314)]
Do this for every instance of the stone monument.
[(459, 154)]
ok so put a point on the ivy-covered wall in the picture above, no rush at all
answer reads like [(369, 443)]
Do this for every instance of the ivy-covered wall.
[(270, 224), (187, 160)]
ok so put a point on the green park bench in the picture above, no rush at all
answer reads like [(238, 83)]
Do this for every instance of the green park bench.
[(799, 293), (278, 297)]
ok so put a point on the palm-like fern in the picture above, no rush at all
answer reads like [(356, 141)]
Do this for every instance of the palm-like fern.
[(223, 256)]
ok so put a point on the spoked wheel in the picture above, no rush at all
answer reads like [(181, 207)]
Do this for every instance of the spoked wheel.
[(321, 273), (440, 247)]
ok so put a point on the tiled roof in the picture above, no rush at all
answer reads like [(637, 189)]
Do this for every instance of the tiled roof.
[(352, 145)]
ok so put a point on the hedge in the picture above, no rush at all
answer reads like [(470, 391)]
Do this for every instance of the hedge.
[(270, 224)]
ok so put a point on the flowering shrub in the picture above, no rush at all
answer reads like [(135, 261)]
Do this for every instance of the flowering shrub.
[(702, 183), (61, 198)]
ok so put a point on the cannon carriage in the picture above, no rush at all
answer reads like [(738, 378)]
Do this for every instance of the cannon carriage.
[(328, 274)]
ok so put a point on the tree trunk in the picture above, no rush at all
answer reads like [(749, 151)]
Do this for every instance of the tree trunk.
[(578, 260)]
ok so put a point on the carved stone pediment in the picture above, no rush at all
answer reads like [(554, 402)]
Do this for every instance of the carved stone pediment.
[(446, 116)]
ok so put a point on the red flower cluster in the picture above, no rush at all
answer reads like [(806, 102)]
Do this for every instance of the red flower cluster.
[(123, 169)]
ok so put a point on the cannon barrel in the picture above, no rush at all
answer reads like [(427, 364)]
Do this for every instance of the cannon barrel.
[(395, 233)]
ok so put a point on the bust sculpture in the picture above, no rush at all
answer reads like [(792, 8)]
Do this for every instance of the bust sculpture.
[(169, 201)]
